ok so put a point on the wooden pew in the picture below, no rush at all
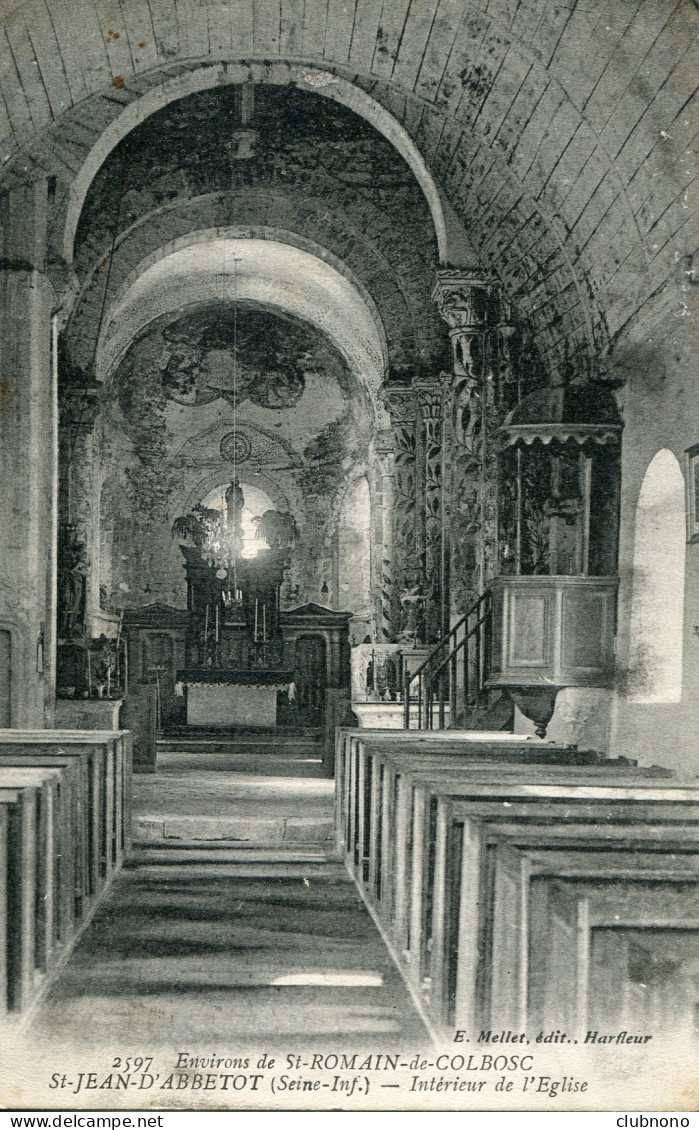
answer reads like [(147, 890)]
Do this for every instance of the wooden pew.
[(461, 912), (19, 933), (643, 979), (352, 746), (363, 763), (559, 902), (393, 828), (65, 814), (72, 839), (92, 818), (50, 832), (111, 768), (381, 814)]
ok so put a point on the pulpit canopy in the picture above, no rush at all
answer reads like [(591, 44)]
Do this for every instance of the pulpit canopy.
[(583, 413)]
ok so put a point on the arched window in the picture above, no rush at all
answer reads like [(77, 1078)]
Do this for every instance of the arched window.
[(657, 603), (256, 502)]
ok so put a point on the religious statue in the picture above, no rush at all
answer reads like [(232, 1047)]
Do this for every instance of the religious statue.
[(412, 600), (72, 582), (235, 501)]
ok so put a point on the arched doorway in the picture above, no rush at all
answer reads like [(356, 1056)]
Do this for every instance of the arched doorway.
[(310, 677)]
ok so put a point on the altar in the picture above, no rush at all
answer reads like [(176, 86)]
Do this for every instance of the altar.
[(234, 659), (221, 698)]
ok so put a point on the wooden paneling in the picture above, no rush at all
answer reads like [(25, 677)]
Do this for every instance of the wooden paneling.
[(529, 620), (553, 632)]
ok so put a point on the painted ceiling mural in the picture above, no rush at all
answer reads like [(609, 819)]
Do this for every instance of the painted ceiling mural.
[(204, 386), (214, 352), (255, 355)]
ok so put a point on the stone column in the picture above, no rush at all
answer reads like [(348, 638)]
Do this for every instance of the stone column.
[(430, 397), (406, 572), (386, 627), (468, 300), (28, 440), (80, 485)]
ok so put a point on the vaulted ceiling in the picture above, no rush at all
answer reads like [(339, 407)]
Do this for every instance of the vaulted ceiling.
[(562, 135)]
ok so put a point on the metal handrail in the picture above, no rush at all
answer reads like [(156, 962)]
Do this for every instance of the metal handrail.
[(437, 676)]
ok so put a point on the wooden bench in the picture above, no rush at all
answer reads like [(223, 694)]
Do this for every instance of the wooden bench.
[(380, 811), (51, 818), (406, 806), (545, 905), (65, 814), (111, 754), (352, 747), (18, 936), (72, 864), (644, 980), (364, 761), (453, 896)]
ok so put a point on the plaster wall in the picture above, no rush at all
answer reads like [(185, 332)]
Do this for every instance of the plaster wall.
[(660, 411)]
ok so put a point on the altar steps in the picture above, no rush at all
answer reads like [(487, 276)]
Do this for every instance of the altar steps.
[(194, 854), (288, 835), (234, 802), (224, 740), (302, 763)]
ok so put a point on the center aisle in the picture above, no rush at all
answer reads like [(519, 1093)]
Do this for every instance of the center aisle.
[(211, 944)]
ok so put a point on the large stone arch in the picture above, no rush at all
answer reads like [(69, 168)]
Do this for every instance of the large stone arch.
[(328, 85), (272, 274), (501, 103), (399, 296)]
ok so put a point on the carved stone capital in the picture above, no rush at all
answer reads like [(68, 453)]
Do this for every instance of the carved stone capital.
[(465, 298), (429, 392), (384, 442), (468, 301), (399, 402)]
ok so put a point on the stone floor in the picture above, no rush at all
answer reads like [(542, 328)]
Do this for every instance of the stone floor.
[(238, 954), (222, 930)]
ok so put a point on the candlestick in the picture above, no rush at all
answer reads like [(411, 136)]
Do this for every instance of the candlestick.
[(255, 619), (217, 623), (264, 623)]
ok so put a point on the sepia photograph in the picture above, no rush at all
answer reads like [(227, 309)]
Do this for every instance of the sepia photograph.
[(349, 547)]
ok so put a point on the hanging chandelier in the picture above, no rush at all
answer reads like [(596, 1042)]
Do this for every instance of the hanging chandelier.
[(223, 541)]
